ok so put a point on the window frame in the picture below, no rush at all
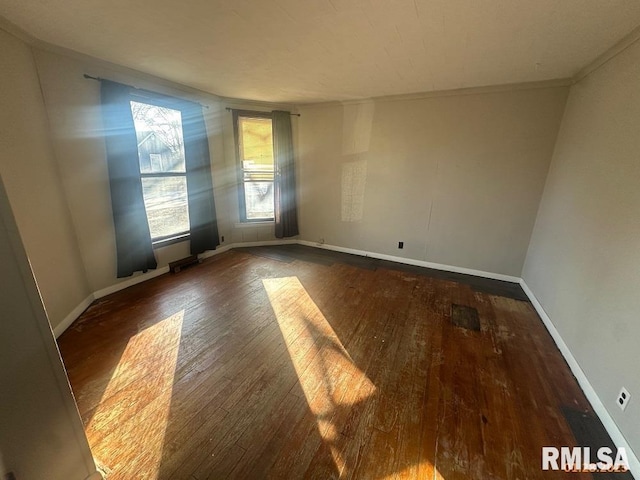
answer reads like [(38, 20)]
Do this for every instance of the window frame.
[(242, 206), (160, 100)]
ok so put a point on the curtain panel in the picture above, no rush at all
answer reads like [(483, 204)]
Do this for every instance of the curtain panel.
[(133, 241), (202, 210), (286, 211)]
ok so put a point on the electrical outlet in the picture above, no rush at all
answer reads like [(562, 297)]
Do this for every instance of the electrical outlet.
[(400, 245), (321, 242), (623, 398), (222, 239)]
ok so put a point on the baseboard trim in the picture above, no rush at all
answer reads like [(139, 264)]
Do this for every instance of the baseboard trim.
[(606, 419), (143, 277), (73, 315), (231, 246), (288, 241), (217, 251), (411, 261)]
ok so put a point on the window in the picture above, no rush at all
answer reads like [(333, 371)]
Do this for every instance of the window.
[(162, 169), (254, 140)]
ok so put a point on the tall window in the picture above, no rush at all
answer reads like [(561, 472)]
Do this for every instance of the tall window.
[(162, 168), (254, 139)]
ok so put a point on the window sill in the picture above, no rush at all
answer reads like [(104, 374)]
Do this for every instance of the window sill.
[(254, 224), (165, 242)]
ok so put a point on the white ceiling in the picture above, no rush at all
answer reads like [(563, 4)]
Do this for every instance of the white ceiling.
[(303, 51)]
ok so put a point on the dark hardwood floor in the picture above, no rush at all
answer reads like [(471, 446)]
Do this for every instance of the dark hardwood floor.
[(266, 364)]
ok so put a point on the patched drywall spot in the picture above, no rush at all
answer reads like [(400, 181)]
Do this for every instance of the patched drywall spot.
[(354, 180), (357, 122)]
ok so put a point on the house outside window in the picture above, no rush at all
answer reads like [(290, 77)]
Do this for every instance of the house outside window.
[(162, 169), (254, 143)]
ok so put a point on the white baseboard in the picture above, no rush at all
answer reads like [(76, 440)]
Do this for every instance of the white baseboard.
[(231, 246), (143, 277), (264, 243), (411, 261), (76, 312), (73, 315), (217, 251), (606, 419)]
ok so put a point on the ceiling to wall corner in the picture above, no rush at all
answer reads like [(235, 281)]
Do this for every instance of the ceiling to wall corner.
[(306, 51)]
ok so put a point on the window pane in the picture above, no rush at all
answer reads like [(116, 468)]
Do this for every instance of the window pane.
[(256, 143), (165, 199), (160, 140), (258, 200), (256, 156)]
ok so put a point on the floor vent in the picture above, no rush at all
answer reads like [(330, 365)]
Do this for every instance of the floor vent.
[(175, 267), (465, 317)]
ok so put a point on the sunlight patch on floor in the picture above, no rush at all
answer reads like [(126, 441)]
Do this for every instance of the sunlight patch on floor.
[(138, 416), (329, 378), (424, 470)]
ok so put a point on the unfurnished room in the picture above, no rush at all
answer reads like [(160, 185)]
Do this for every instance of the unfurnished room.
[(296, 239)]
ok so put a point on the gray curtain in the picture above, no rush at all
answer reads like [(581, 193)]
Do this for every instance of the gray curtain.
[(203, 231), (133, 240), (286, 212)]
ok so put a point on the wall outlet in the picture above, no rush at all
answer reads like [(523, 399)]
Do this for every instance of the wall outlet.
[(321, 241), (623, 398), (400, 245), (222, 239)]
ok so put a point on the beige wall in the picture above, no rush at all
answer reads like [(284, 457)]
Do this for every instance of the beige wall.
[(42, 433), (456, 178), (583, 264), (33, 182)]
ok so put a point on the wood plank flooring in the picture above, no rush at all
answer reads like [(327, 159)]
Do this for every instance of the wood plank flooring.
[(252, 366)]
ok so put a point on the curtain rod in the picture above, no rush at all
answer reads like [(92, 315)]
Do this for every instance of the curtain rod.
[(136, 88), (229, 109)]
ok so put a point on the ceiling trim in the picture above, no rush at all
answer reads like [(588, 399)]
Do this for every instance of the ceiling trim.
[(12, 29), (239, 102), (488, 89), (132, 73), (34, 42), (602, 59), (94, 62)]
